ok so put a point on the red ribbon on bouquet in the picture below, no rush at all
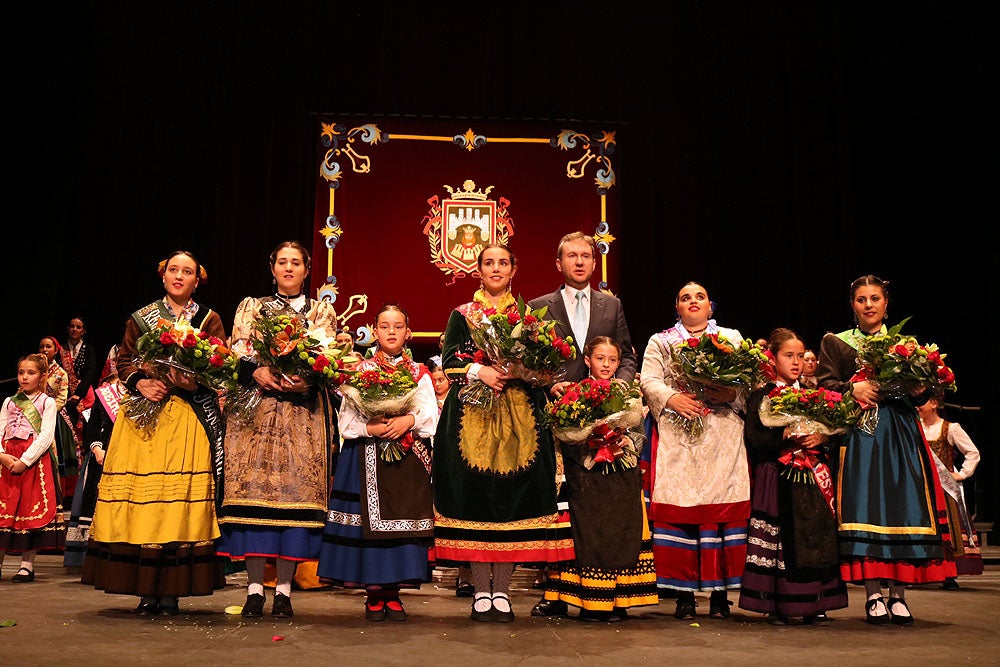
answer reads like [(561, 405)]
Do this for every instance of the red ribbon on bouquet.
[(606, 442), (807, 459), (406, 442)]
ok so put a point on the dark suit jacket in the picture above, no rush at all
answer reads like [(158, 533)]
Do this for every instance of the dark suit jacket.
[(606, 319)]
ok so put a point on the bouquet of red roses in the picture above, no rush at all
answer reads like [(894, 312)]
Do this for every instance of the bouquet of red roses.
[(376, 392), (521, 343), (178, 347), (899, 365), (603, 415), (713, 359), (802, 411)]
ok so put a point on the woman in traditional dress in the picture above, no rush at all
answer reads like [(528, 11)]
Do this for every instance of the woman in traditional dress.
[(79, 360), (154, 528), (699, 485), (494, 470), (278, 460), (890, 505)]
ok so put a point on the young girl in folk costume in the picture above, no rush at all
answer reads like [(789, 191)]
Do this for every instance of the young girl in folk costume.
[(613, 570), (67, 445), (494, 470), (380, 525), (154, 528), (948, 440), (792, 566), (278, 462), (30, 515)]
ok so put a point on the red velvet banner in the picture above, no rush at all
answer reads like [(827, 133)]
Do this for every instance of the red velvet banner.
[(403, 205)]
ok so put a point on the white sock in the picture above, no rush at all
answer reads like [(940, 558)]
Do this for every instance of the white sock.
[(898, 591), (28, 560)]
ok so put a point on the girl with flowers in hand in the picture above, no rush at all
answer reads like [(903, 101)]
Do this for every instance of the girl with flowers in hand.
[(154, 528), (890, 504), (380, 524), (613, 570), (279, 457), (792, 561), (699, 484), (494, 470), (31, 517)]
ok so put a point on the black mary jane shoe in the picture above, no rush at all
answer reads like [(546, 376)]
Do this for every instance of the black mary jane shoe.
[(148, 607), (23, 576), (482, 616), (550, 608), (871, 618), (282, 606), (899, 620), (254, 606), (498, 614), (463, 589)]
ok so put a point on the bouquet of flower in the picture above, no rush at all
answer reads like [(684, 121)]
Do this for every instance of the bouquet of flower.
[(715, 360), (283, 343), (177, 346), (603, 415), (899, 365), (376, 392), (804, 411), (523, 344)]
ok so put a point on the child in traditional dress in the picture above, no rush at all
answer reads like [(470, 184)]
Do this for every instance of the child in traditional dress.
[(30, 514), (614, 569), (792, 559), (381, 524), (951, 444)]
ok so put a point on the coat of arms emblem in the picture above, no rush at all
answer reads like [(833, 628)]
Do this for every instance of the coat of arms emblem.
[(461, 225)]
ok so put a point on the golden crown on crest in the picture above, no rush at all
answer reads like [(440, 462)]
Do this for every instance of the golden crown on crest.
[(468, 192)]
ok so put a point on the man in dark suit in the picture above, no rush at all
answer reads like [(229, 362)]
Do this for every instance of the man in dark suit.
[(583, 313), (602, 314)]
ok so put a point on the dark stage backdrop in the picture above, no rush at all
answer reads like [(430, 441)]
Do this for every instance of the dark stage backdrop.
[(772, 150)]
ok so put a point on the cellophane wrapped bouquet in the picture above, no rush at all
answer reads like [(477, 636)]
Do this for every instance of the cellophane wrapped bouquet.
[(713, 359), (376, 392), (285, 344), (605, 418), (182, 348), (523, 344), (899, 365), (804, 411)]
